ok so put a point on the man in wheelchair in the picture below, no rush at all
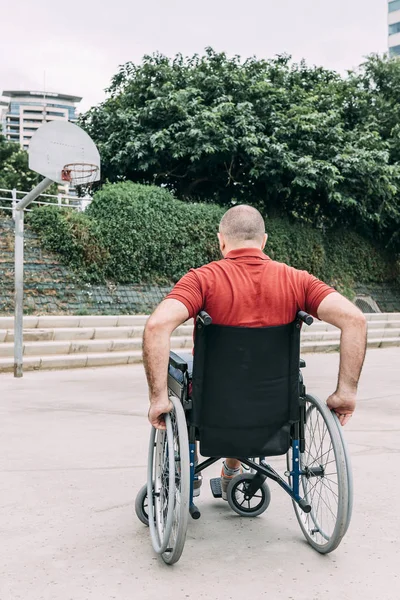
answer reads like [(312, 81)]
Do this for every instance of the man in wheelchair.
[(248, 290)]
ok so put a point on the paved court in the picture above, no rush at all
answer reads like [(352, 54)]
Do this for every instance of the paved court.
[(73, 455)]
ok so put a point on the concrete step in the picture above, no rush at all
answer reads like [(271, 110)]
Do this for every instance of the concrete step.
[(85, 333), (81, 360), (334, 345), (84, 328), (72, 361), (95, 321), (69, 334), (60, 341), (78, 341), (91, 346), (334, 334), (66, 321)]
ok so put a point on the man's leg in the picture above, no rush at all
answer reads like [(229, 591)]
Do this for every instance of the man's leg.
[(231, 467), (232, 463)]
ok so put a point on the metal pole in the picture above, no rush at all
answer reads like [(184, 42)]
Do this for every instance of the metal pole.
[(33, 194), (19, 273), (14, 202), (19, 292)]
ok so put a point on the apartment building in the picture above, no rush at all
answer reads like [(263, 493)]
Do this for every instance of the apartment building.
[(394, 27), (25, 111)]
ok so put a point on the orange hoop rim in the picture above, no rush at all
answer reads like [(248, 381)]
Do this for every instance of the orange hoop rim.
[(79, 172)]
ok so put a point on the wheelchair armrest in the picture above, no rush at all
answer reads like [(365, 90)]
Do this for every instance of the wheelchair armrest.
[(177, 362)]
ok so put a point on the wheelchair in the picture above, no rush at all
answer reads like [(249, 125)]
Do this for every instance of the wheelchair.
[(245, 398)]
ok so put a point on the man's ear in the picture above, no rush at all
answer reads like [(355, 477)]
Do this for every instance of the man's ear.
[(221, 242), (264, 241)]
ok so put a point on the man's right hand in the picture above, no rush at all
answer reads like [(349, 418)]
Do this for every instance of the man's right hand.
[(157, 411), (343, 404)]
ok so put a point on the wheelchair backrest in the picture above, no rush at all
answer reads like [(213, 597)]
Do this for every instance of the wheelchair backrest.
[(245, 389)]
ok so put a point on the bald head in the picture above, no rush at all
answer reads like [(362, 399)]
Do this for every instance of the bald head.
[(242, 225)]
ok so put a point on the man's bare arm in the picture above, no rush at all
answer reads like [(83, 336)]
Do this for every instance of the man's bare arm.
[(156, 345), (338, 311)]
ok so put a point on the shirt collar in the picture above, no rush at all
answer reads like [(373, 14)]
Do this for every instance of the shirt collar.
[(247, 252)]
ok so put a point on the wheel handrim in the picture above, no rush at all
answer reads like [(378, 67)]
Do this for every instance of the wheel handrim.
[(177, 488), (181, 484), (161, 476), (321, 492), (161, 471)]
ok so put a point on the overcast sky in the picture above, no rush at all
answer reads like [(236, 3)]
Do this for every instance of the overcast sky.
[(80, 46)]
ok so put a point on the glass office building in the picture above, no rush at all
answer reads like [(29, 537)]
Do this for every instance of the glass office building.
[(394, 27), (25, 111)]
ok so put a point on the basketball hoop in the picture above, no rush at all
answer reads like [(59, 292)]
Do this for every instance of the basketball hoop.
[(80, 173)]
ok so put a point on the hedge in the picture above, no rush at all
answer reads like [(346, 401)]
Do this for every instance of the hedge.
[(74, 237), (135, 233)]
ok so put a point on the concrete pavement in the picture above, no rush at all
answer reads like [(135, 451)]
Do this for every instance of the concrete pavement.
[(73, 455)]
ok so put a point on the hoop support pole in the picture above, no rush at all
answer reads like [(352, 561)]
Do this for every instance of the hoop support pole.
[(33, 194), (19, 273), (19, 293)]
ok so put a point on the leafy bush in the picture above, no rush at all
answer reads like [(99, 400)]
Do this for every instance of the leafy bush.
[(339, 257), (72, 235), (151, 235), (133, 233)]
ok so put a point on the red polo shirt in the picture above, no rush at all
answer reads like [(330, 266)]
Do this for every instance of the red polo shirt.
[(248, 289)]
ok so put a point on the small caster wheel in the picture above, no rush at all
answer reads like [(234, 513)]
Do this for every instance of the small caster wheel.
[(141, 504), (238, 498)]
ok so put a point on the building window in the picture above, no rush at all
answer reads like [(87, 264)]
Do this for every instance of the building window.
[(394, 51), (395, 5), (14, 108), (394, 28)]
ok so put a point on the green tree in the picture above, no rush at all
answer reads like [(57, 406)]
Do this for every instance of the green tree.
[(14, 169), (291, 139)]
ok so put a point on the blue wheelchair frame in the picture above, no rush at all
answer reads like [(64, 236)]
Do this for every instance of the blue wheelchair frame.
[(263, 470)]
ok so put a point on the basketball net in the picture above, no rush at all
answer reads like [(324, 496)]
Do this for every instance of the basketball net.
[(79, 173)]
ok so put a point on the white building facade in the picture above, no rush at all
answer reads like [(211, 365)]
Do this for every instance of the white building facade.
[(394, 27), (25, 111)]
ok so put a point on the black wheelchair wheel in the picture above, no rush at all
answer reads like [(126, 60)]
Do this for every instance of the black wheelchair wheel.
[(141, 508), (241, 503), (324, 484)]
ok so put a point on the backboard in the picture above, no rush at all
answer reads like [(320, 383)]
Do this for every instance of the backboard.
[(60, 143)]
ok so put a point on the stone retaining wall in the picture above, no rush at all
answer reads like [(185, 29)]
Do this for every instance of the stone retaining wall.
[(51, 288)]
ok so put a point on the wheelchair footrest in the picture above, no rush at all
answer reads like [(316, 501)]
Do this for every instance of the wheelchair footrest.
[(215, 485)]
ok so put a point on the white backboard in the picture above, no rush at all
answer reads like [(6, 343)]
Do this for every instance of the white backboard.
[(57, 144)]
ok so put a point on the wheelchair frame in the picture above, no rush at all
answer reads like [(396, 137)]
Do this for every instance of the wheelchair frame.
[(297, 473)]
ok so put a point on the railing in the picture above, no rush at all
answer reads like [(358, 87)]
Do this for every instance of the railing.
[(10, 198)]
